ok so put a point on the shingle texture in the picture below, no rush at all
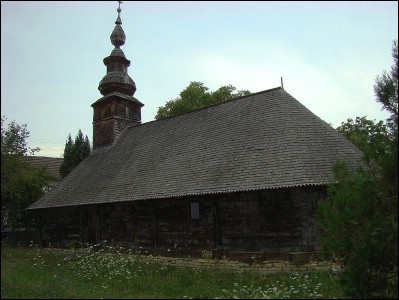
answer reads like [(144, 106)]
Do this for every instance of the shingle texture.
[(52, 163), (261, 141), (118, 52), (120, 95)]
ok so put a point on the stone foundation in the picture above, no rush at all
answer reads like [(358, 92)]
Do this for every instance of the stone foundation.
[(265, 267)]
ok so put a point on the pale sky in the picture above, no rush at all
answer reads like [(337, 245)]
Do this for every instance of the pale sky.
[(328, 53)]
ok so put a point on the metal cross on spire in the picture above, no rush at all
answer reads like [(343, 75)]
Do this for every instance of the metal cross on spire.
[(119, 8), (118, 20)]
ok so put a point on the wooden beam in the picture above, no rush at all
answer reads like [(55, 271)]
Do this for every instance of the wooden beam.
[(217, 224), (154, 222)]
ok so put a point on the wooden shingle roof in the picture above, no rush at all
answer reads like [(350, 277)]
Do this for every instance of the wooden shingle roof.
[(52, 163), (262, 141)]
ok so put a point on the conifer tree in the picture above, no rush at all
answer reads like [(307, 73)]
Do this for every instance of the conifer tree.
[(66, 166), (74, 152)]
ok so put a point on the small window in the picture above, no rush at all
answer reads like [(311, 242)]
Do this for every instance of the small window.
[(195, 215)]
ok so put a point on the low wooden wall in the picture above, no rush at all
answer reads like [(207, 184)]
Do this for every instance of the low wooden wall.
[(281, 221)]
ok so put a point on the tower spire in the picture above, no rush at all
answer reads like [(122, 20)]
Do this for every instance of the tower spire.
[(117, 109), (117, 78)]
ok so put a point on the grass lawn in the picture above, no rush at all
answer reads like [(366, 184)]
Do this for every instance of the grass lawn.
[(33, 272)]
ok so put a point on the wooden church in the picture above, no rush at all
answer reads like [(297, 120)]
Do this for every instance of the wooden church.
[(245, 175)]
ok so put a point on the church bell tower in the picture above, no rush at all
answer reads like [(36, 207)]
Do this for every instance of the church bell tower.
[(117, 109)]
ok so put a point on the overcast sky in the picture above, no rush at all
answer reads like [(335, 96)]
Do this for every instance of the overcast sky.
[(328, 54)]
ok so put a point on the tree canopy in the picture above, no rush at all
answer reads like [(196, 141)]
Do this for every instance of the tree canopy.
[(371, 138), (21, 183), (74, 152), (195, 96), (360, 217), (386, 88)]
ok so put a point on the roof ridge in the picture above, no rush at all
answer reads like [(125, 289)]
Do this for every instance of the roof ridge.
[(204, 107), (42, 156)]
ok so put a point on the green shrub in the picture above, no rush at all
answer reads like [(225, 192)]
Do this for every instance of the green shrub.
[(361, 230)]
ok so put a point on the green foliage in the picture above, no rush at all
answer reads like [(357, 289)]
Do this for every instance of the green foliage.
[(371, 138), (21, 183), (195, 96), (74, 153), (360, 219), (386, 92), (360, 229), (67, 164), (386, 87)]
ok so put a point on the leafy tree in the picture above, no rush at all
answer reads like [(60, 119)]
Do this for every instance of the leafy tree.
[(21, 183), (386, 88), (370, 137), (195, 96), (360, 229), (360, 219), (386, 92), (74, 152)]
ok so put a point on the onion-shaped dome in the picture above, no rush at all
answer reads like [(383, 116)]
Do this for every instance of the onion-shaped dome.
[(118, 36), (117, 82)]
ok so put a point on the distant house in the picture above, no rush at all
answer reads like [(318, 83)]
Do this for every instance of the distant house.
[(52, 163), (245, 175)]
